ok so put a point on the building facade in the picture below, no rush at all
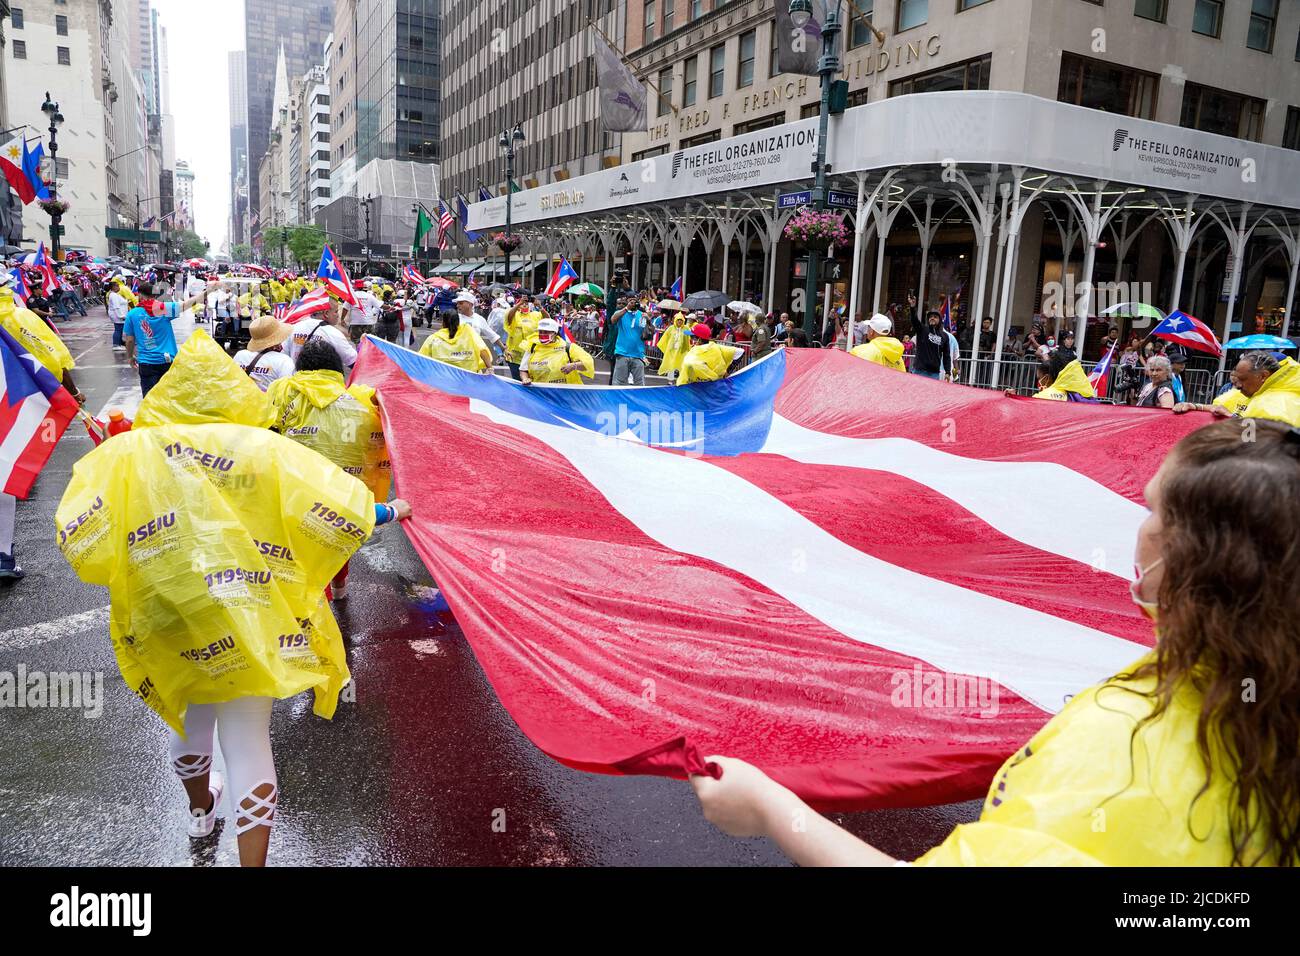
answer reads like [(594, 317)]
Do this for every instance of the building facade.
[(184, 218), (238, 100), (508, 62), (385, 75), (312, 138), (299, 27), (1220, 67)]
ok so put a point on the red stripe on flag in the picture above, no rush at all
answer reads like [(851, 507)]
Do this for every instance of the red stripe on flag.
[(570, 627)]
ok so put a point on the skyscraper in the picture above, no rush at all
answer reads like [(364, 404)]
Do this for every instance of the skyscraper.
[(528, 62), (238, 146), (386, 76), (300, 27)]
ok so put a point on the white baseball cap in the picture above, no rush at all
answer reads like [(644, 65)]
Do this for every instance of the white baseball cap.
[(548, 325), (880, 324), (466, 296)]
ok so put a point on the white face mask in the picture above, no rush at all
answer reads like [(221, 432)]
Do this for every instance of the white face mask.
[(1150, 608)]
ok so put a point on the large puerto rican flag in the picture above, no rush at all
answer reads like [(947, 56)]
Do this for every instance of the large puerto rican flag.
[(859, 581), (35, 410)]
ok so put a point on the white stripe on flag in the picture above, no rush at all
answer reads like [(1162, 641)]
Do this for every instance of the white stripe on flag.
[(1044, 659), (1102, 528), (35, 407)]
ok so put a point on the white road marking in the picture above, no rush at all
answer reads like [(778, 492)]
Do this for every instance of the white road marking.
[(34, 635), (127, 398)]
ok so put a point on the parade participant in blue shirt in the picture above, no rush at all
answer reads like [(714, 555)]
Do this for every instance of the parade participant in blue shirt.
[(148, 336)]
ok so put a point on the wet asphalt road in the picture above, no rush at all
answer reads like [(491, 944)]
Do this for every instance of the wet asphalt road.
[(413, 772)]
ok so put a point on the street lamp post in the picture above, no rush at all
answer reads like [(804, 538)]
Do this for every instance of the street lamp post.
[(508, 141), (827, 67), (51, 110), (366, 203)]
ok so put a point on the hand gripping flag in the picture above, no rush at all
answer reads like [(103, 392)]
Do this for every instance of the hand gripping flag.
[(35, 410), (1189, 332), (694, 544), (335, 277), (564, 277)]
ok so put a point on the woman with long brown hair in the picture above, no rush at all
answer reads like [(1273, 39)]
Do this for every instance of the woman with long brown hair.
[(1192, 756)]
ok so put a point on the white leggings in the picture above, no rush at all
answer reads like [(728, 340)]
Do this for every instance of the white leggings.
[(245, 725), (8, 507)]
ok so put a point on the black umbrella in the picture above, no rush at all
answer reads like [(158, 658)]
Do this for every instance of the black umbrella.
[(8, 250), (708, 299)]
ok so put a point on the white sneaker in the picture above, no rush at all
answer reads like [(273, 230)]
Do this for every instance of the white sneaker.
[(119, 348), (201, 824)]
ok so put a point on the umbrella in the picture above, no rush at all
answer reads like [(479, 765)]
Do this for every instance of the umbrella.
[(671, 304), (196, 263), (708, 299), (163, 267), (587, 288), (440, 283), (1267, 342), (1135, 310), (8, 250), (745, 307)]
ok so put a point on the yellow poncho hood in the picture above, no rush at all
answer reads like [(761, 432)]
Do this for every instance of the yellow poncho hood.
[(883, 350), (1278, 399), (204, 386), (1072, 379)]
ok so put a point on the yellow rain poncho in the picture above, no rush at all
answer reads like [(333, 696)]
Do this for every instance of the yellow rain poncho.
[(465, 350), (707, 363), (35, 336), (1072, 380), (544, 361), (883, 350), (674, 343), (125, 292), (1076, 795), (253, 304), (216, 539), (1233, 401), (340, 422), (1278, 398), (520, 327)]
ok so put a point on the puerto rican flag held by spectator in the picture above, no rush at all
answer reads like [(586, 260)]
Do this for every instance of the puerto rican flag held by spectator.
[(678, 291), (280, 310), (862, 691), (1100, 374), (50, 282), (564, 277), (945, 314), (21, 290), (314, 302), (1189, 332), (35, 410), (412, 275), (335, 277)]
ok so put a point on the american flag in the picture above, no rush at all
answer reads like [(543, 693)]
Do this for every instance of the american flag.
[(445, 221), (317, 300)]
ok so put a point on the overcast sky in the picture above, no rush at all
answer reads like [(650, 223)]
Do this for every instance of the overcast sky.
[(199, 39)]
